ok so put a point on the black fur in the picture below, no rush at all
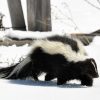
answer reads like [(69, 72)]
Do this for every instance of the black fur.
[(4, 72), (26, 72)]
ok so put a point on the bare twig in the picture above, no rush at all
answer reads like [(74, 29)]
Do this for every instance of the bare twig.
[(98, 1), (92, 4), (69, 18)]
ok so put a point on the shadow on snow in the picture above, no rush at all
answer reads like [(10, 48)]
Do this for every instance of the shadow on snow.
[(45, 84)]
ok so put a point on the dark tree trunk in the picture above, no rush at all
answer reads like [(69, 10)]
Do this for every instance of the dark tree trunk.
[(39, 15), (16, 14)]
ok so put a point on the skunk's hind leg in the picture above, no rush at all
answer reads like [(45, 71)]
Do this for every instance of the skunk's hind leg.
[(35, 77), (49, 77), (86, 80), (61, 80)]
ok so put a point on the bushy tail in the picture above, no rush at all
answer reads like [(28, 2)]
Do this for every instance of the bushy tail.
[(18, 71), (5, 72)]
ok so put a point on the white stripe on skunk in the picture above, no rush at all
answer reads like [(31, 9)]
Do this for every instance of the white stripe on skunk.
[(56, 47)]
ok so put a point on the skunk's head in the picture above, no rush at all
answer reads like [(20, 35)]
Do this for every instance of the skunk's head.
[(90, 67)]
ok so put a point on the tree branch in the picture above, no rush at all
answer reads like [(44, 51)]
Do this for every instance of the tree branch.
[(92, 4)]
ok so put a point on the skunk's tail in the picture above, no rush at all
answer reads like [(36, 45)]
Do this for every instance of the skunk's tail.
[(5, 72), (18, 71)]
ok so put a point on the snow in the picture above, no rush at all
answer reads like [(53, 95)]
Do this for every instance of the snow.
[(29, 89), (67, 15), (28, 34), (12, 54), (93, 50)]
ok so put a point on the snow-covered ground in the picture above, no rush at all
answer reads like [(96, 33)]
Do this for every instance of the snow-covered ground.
[(27, 34), (29, 90), (67, 15)]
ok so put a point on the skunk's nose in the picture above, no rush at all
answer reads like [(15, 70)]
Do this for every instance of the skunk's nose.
[(96, 76)]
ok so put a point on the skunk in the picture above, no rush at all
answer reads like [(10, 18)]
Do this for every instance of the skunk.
[(59, 61), (59, 57)]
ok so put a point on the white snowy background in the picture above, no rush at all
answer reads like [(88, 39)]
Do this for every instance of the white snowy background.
[(67, 16)]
